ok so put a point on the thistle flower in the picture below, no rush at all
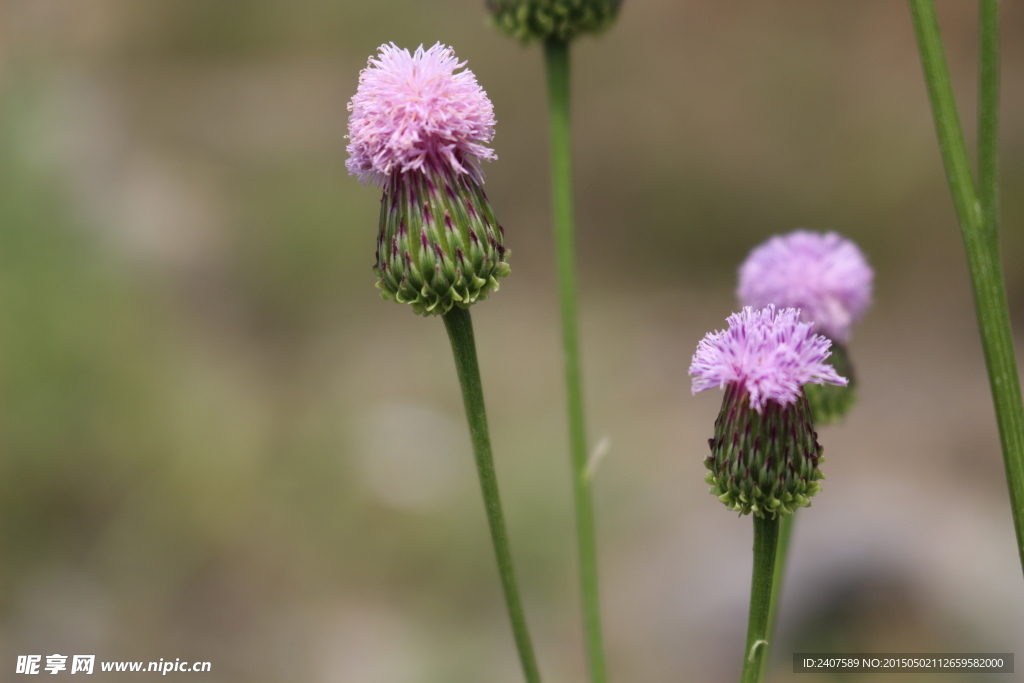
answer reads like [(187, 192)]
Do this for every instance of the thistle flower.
[(765, 454), (829, 280), (420, 130), (558, 19), (825, 276)]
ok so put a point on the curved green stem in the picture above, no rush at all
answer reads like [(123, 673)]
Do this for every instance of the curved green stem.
[(978, 224), (556, 55), (460, 331), (766, 540)]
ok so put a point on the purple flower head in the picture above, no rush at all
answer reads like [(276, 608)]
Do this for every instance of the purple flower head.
[(769, 353), (825, 276), (413, 112)]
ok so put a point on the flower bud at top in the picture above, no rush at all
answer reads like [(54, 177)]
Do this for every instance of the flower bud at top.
[(764, 454), (420, 130), (829, 280), (559, 19)]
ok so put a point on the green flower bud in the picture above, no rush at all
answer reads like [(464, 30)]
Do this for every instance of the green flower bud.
[(438, 245), (830, 403), (559, 19), (763, 463)]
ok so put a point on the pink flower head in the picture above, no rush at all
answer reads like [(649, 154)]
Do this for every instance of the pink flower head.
[(769, 353), (413, 112), (825, 276)]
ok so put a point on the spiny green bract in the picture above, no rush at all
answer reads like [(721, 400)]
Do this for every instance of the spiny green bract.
[(829, 404), (559, 19), (763, 463), (438, 245)]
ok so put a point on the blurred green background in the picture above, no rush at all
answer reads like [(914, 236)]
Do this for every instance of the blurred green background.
[(217, 443)]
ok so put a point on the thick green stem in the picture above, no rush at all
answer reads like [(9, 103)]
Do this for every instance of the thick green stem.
[(988, 118), (766, 540), (556, 54), (460, 331), (781, 555), (980, 241), (947, 121)]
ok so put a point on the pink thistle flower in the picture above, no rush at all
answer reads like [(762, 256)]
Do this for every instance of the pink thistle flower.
[(420, 130), (825, 276), (412, 112), (770, 354)]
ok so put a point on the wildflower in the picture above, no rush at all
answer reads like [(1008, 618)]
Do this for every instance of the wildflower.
[(825, 276), (552, 19), (420, 129), (764, 454), (829, 280)]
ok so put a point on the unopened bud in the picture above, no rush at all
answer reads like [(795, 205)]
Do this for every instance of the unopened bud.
[(552, 19)]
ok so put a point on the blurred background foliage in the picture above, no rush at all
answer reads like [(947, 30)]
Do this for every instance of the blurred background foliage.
[(217, 444)]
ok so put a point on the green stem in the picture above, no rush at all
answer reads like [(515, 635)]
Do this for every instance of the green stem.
[(460, 331), (982, 248), (766, 541), (556, 54), (988, 118), (781, 555)]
